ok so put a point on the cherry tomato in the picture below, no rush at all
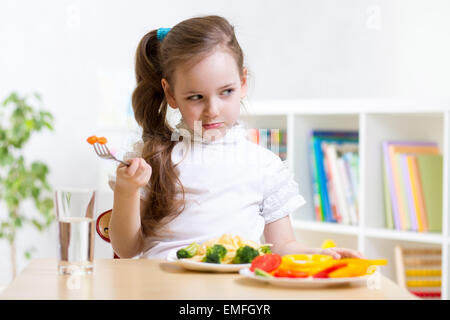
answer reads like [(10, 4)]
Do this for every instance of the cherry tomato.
[(267, 262), (102, 140), (92, 139), (286, 273)]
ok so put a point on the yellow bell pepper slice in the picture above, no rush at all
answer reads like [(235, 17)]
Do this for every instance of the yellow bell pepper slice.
[(328, 244), (311, 264), (349, 271), (314, 263), (357, 268)]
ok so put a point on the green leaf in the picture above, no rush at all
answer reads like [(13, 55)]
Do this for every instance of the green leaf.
[(30, 124), (2, 135), (11, 98), (37, 224), (49, 126), (29, 252), (35, 192), (12, 201), (18, 222)]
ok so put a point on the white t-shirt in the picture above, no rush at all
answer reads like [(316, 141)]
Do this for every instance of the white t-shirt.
[(232, 186)]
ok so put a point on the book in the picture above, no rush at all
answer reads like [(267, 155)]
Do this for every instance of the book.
[(387, 196), (263, 138), (401, 192), (407, 188), (331, 153), (314, 181), (351, 166), (419, 203), (430, 168), (348, 192), (340, 180), (320, 189), (331, 189), (321, 180), (390, 148), (332, 134), (274, 138)]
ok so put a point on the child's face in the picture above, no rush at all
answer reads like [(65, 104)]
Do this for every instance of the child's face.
[(209, 92)]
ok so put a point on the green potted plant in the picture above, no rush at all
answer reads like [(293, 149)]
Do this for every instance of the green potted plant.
[(19, 180)]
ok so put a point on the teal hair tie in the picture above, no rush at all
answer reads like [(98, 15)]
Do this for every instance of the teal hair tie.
[(161, 33)]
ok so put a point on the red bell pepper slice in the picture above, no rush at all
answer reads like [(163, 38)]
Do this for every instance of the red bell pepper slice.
[(267, 262), (286, 273)]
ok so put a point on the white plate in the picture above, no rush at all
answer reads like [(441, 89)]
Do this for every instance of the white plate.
[(203, 266), (305, 282)]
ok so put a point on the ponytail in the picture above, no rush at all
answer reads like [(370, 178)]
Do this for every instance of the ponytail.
[(150, 108)]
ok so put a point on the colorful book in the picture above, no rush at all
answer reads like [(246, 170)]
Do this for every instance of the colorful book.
[(348, 191), (275, 140), (419, 203), (387, 196), (321, 180), (263, 140), (315, 183), (401, 192), (401, 217), (407, 189), (351, 171), (430, 168), (331, 153), (339, 179), (320, 190), (331, 188)]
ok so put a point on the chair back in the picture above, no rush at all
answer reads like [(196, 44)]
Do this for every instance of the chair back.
[(102, 227)]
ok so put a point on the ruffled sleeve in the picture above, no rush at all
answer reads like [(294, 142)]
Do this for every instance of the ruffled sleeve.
[(280, 192)]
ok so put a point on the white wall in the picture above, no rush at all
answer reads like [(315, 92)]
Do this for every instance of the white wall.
[(79, 56)]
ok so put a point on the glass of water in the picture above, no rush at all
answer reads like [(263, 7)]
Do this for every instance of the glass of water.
[(75, 210)]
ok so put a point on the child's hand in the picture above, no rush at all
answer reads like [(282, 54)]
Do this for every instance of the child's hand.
[(340, 253), (130, 179)]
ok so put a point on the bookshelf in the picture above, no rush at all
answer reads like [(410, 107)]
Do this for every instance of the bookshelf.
[(376, 121)]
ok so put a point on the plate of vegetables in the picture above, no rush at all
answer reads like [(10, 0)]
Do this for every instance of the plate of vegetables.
[(225, 254), (312, 270)]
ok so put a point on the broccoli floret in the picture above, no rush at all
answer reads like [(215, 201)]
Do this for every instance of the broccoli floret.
[(215, 254), (264, 249), (188, 252), (245, 254)]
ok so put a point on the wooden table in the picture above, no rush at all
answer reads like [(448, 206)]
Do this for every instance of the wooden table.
[(157, 279)]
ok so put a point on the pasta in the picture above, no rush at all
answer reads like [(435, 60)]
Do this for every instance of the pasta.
[(231, 243)]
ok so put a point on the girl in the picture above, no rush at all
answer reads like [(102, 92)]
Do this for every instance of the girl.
[(177, 192)]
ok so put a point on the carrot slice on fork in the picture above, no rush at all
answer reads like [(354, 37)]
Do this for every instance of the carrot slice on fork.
[(92, 139), (102, 140)]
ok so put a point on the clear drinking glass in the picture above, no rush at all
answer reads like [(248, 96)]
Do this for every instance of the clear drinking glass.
[(75, 210)]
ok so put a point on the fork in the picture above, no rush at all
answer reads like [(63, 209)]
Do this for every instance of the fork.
[(103, 152)]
